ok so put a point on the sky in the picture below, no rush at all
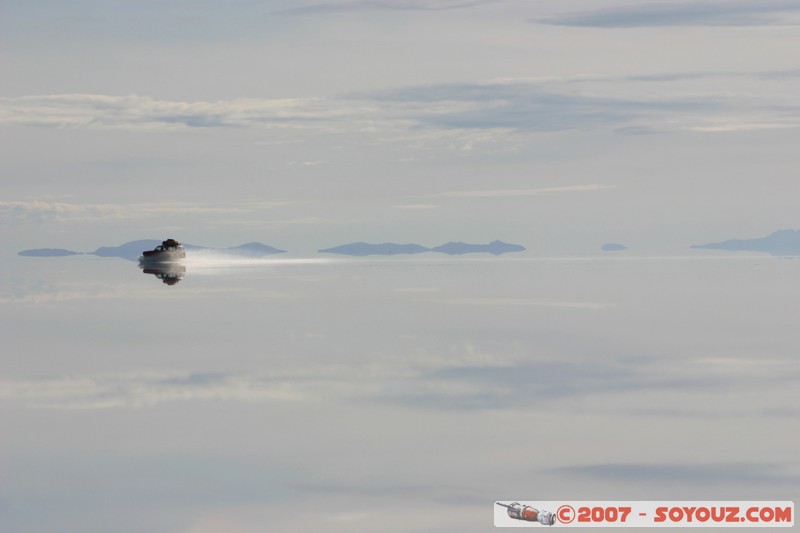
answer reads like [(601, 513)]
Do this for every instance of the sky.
[(304, 125)]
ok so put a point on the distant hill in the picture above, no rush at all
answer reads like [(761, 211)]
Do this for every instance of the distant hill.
[(133, 250), (613, 247), (785, 242), (494, 248), (251, 249), (361, 249), (48, 252), (130, 250)]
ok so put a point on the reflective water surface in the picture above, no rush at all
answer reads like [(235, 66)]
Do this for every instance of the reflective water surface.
[(389, 395)]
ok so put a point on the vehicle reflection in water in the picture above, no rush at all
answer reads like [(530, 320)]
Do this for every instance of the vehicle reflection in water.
[(169, 273)]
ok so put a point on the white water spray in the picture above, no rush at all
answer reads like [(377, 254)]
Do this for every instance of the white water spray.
[(210, 260)]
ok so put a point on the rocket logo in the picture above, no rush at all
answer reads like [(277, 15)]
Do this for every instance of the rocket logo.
[(528, 513)]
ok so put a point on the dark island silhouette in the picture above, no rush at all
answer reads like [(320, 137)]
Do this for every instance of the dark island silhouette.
[(782, 243), (494, 248), (250, 249), (361, 249), (48, 252), (613, 247), (133, 250)]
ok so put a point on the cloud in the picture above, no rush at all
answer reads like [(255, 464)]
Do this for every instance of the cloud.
[(514, 193), (304, 163), (555, 81), (144, 389), (515, 302), (510, 107), (48, 292), (532, 106), (37, 211), (415, 206), (730, 13), (448, 387), (383, 5), (683, 473), (43, 211), (448, 494), (638, 387), (781, 74), (499, 115), (540, 383), (515, 106), (141, 112), (741, 126)]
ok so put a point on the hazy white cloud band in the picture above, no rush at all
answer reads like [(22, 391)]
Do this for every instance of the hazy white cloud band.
[(447, 385), (501, 106), (142, 112), (40, 211)]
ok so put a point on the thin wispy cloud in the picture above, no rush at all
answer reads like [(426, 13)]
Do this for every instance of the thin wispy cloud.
[(736, 13), (141, 112), (533, 106), (48, 292), (786, 74), (41, 211), (37, 211), (521, 385), (515, 193), (138, 390), (344, 6), (554, 82), (513, 106), (304, 163), (147, 389), (473, 381), (614, 385), (516, 302), (742, 126), (684, 473), (461, 387), (473, 115), (416, 206)]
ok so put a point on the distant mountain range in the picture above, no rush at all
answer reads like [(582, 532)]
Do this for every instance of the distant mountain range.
[(782, 243), (361, 249), (133, 250), (785, 242)]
